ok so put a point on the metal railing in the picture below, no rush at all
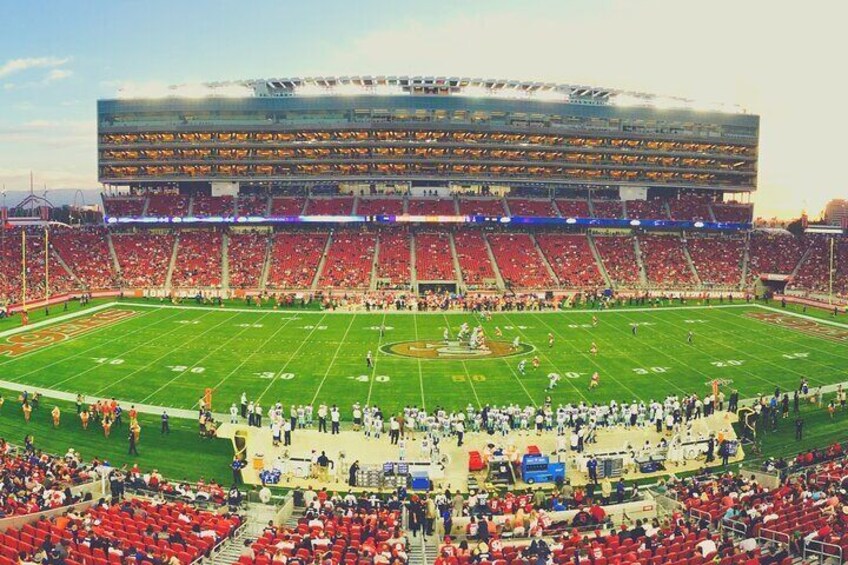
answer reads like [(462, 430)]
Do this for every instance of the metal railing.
[(822, 551)]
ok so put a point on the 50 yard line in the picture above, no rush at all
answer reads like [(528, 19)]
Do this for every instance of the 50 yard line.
[(376, 356)]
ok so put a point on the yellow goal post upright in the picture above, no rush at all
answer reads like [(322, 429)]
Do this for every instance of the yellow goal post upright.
[(207, 398)]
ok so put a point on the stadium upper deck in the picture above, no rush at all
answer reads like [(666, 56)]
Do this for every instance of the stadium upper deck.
[(427, 129)]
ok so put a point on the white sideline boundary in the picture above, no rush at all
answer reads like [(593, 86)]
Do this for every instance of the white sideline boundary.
[(803, 316), (57, 319)]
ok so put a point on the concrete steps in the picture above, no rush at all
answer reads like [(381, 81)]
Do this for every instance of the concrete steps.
[(112, 253), (372, 286), (643, 276), (172, 263), (498, 278), (413, 271), (321, 263), (598, 260), (690, 263), (460, 286), (545, 261), (225, 261), (266, 264)]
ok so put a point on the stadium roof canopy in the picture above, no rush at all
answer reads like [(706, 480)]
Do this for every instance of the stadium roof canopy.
[(425, 86)]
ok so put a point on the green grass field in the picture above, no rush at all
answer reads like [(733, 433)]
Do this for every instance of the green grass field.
[(168, 355), (164, 355)]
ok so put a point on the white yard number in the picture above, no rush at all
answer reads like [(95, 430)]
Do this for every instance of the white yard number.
[(184, 368), (463, 378), (795, 355), (694, 321), (248, 325), (643, 324), (366, 378), (107, 361), (649, 370), (270, 375), (577, 326), (315, 327), (519, 327), (191, 322), (728, 363), (568, 375)]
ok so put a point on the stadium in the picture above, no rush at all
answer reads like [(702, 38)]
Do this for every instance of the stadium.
[(372, 320)]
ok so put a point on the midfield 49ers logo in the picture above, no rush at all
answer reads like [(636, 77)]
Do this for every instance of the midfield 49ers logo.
[(22, 343), (454, 349)]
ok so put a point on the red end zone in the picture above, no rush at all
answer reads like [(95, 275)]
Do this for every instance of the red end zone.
[(20, 344), (802, 325)]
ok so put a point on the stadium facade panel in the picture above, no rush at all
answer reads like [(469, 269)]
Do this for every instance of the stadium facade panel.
[(423, 137)]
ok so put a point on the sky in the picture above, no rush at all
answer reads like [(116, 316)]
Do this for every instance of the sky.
[(781, 60)]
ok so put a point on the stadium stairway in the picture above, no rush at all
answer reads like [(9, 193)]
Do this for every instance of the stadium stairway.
[(172, 263), (598, 260), (801, 261), (266, 264), (145, 206), (746, 258), (457, 270), (225, 260), (689, 261), (545, 261), (372, 285), (712, 213), (498, 278), (422, 553), (413, 260), (643, 275), (115, 263), (65, 266), (321, 263)]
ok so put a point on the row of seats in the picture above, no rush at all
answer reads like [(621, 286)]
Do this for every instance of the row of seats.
[(393, 258), (349, 260), (294, 259), (189, 533), (684, 207), (433, 257), (519, 262), (246, 259), (571, 259), (198, 262), (665, 262), (473, 257)]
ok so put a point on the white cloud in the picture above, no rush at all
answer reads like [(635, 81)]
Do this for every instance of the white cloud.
[(22, 64), (56, 75)]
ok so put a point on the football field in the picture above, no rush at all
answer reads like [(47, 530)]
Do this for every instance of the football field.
[(166, 355)]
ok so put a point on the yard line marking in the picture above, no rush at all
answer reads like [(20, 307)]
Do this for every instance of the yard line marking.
[(376, 356), (81, 353), (420, 372), (597, 365), (122, 379), (464, 365), (62, 318), (249, 357), (93, 332), (292, 357), (333, 360), (196, 363), (541, 352)]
